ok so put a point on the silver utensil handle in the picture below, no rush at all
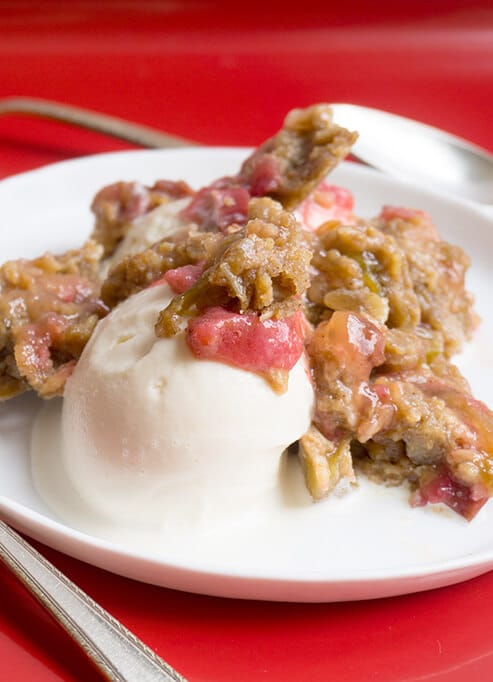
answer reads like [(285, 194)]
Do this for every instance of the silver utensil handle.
[(84, 118), (118, 654)]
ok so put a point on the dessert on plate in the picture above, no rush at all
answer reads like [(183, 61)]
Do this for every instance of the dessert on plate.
[(201, 332)]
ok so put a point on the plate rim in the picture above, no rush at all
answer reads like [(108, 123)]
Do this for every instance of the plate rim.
[(23, 516)]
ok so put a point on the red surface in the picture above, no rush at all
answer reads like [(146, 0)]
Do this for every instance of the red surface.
[(225, 75)]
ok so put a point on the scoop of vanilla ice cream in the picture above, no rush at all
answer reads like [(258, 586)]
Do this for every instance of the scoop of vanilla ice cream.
[(154, 436), (150, 228)]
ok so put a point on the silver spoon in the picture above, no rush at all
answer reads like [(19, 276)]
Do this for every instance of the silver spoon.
[(419, 153), (92, 120), (115, 651), (398, 146)]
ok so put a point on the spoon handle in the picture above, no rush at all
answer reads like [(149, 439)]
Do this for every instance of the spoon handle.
[(84, 118), (115, 651)]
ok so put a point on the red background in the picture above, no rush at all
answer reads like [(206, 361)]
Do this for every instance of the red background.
[(220, 73)]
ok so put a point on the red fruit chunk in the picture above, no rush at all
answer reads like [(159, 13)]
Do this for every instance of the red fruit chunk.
[(245, 340), (464, 500), (423, 228), (181, 279), (327, 202), (261, 174), (172, 188), (36, 342), (218, 206), (401, 213), (127, 201), (356, 343), (344, 350)]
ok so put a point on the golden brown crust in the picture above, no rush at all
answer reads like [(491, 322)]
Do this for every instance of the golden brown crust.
[(386, 299), (49, 307), (360, 268), (304, 151), (138, 271), (262, 267), (116, 206), (437, 270), (325, 463)]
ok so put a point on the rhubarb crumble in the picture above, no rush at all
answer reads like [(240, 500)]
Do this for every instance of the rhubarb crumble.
[(267, 265)]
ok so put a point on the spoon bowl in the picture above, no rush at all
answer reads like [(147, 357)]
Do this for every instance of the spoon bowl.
[(399, 146), (419, 153)]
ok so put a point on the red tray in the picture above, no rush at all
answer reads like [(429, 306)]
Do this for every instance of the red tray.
[(224, 75)]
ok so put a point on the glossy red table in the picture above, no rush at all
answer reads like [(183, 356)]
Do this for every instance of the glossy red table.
[(227, 77)]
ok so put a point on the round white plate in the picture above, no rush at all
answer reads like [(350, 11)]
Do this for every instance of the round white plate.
[(367, 544)]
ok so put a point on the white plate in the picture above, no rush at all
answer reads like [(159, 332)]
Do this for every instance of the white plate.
[(367, 544)]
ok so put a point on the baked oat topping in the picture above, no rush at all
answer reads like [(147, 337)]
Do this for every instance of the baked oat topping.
[(299, 157), (261, 268), (438, 272), (138, 271), (49, 307), (380, 307), (405, 409), (116, 206), (287, 167)]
